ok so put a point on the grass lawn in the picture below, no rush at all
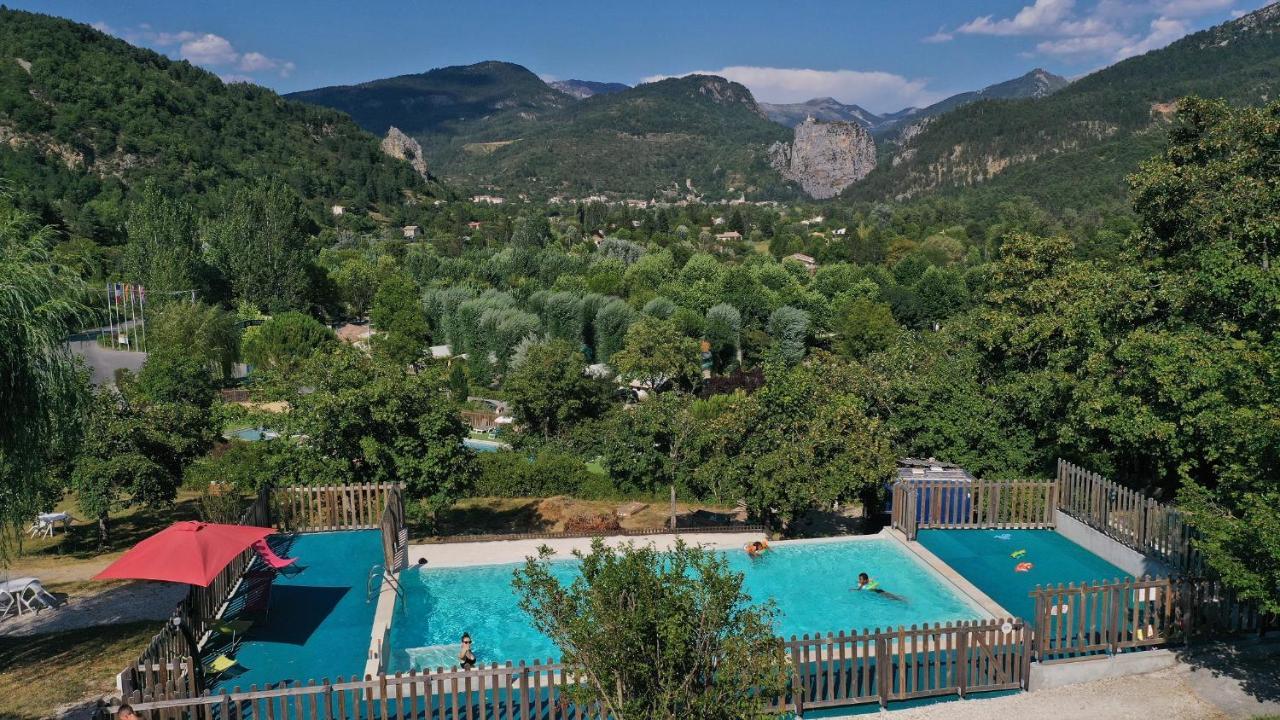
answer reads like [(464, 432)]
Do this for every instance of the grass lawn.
[(41, 672), (500, 516), (124, 528)]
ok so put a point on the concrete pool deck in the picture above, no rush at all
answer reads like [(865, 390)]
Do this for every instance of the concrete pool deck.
[(958, 581), (506, 552)]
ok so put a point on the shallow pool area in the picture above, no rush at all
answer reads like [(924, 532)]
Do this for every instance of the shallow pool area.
[(810, 583), (990, 558), (318, 622)]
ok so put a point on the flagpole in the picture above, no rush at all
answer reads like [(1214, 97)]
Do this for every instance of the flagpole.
[(111, 326), (142, 315)]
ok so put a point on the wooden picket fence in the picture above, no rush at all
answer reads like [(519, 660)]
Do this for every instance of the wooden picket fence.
[(1126, 515), (323, 508), (835, 670), (1011, 504), (395, 537), (165, 669), (1074, 622), (163, 663)]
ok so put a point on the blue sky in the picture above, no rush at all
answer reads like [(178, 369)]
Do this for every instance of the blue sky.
[(882, 54)]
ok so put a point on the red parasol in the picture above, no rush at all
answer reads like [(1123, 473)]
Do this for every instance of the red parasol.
[(185, 552)]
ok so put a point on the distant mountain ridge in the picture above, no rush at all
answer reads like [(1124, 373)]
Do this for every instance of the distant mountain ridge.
[(499, 126), (443, 99), (1074, 147), (1036, 83), (582, 89), (824, 109)]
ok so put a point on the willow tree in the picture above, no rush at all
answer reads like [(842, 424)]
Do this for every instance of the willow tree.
[(41, 389)]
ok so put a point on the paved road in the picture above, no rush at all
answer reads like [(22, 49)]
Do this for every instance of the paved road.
[(104, 362)]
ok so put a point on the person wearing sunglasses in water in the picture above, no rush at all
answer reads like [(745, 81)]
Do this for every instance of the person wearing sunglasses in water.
[(466, 658)]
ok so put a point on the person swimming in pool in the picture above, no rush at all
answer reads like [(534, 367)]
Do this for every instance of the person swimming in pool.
[(466, 657), (866, 583)]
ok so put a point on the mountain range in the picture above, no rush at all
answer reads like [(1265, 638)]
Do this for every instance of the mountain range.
[(85, 117), (499, 126), (586, 88), (1035, 84), (1075, 147)]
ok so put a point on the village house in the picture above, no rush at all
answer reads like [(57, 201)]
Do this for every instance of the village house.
[(338, 210), (474, 224), (410, 232), (810, 265), (487, 199), (731, 236)]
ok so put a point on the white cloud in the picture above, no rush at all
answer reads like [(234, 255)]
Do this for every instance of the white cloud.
[(1190, 8), (1042, 17), (207, 49), (1162, 32), (1114, 29), (875, 90), (939, 37)]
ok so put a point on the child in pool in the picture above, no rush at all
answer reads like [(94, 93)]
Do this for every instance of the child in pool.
[(866, 583)]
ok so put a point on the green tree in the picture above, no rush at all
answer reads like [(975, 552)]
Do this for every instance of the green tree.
[(459, 386), (163, 252), (724, 332), (657, 635), (131, 454), (864, 326), (789, 328), (398, 315), (357, 281), (655, 353), (203, 331), (41, 390), (385, 425), (611, 324), (259, 243), (172, 376), (285, 341), (550, 391), (805, 440)]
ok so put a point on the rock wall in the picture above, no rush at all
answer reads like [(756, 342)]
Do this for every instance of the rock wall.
[(402, 147), (825, 157)]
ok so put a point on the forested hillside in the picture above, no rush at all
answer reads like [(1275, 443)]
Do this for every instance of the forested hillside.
[(1075, 147), (85, 117), (638, 142), (445, 100), (497, 124)]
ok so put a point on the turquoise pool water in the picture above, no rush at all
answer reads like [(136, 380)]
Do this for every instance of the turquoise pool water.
[(983, 558), (255, 434), (483, 445), (318, 623), (810, 583)]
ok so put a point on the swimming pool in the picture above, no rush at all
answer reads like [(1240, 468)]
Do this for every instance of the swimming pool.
[(809, 581), (318, 623), (984, 558), (484, 445), (254, 434)]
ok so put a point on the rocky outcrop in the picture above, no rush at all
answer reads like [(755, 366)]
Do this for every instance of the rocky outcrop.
[(402, 147), (825, 158)]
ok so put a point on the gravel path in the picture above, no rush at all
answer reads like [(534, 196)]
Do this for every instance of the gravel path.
[(118, 603), (1163, 695)]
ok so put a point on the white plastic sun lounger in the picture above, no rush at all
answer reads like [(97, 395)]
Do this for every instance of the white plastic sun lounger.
[(25, 594)]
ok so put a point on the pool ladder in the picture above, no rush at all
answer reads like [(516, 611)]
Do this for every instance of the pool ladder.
[(379, 573)]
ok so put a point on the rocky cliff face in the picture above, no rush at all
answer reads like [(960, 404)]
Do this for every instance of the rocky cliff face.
[(401, 146), (825, 158)]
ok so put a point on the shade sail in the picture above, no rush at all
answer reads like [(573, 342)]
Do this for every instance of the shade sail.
[(186, 552)]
